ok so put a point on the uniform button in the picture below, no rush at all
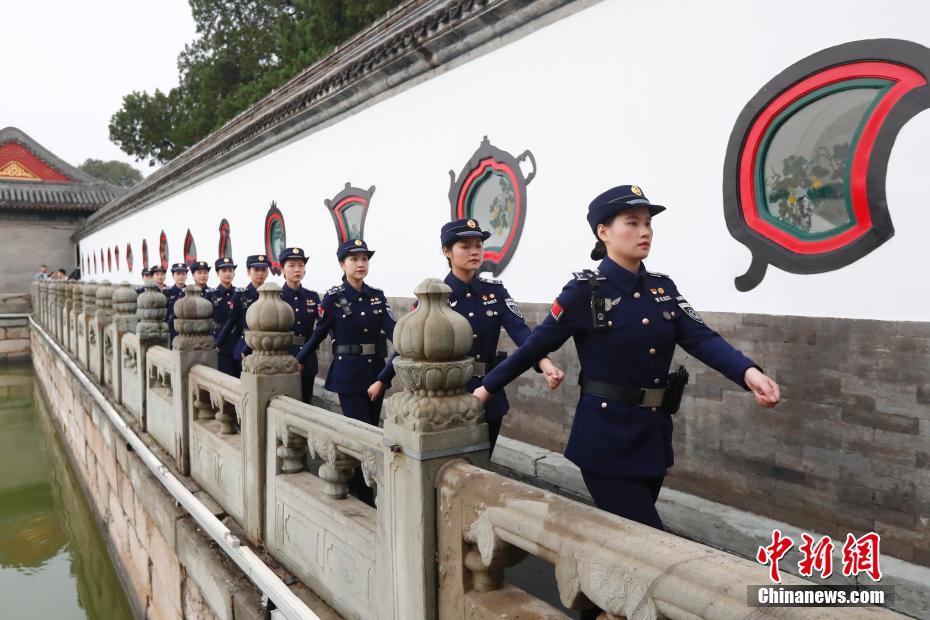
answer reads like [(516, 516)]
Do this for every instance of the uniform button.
[(495, 313), (471, 314), (363, 314), (365, 330), (673, 315), (467, 294), (474, 335), (369, 360), (636, 294), (657, 381), (645, 321), (340, 357), (604, 405), (652, 351), (610, 323), (653, 409)]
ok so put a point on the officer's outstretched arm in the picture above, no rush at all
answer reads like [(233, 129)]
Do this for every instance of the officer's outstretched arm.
[(232, 320), (566, 318), (707, 345)]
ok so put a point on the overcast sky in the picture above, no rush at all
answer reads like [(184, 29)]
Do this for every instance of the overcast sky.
[(68, 64)]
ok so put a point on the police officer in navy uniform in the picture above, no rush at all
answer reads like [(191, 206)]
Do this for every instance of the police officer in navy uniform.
[(158, 277), (226, 308), (487, 306), (625, 322), (146, 276), (257, 266), (306, 305), (200, 272), (172, 293), (359, 319)]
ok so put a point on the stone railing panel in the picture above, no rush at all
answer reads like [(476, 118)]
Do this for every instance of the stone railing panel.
[(132, 373), (332, 541), (160, 418), (216, 460)]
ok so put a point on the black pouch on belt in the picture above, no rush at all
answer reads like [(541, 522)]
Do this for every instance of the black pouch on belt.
[(675, 389)]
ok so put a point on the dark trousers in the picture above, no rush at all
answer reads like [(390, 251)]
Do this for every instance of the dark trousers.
[(494, 429), (360, 407), (225, 363), (632, 498), (306, 388)]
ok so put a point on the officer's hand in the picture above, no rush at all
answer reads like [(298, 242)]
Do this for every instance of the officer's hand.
[(765, 390), (374, 391), (554, 375), (300, 367), (482, 394)]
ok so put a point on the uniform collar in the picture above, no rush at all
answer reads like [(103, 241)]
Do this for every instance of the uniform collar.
[(626, 280), (350, 292), (292, 292), (459, 287)]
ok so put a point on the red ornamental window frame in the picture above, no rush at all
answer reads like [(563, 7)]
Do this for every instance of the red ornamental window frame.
[(190, 257), (116, 256), (95, 263), (349, 197), (904, 66), (109, 259), (145, 254), (274, 215), (129, 258), (164, 252), (224, 248), (485, 161)]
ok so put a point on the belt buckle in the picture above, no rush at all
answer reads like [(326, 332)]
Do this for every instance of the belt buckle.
[(641, 398)]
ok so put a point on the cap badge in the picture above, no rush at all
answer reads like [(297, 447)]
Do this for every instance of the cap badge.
[(472, 224), (226, 260), (261, 257), (358, 242), (636, 190), (296, 251)]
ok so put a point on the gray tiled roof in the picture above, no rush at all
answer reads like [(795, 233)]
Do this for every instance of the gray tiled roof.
[(85, 193)]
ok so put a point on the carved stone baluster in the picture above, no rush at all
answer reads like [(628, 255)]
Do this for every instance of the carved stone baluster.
[(226, 416), (292, 450), (337, 468), (193, 321), (432, 416), (203, 408), (268, 372), (104, 303)]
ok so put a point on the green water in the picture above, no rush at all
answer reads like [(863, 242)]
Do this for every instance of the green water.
[(53, 560)]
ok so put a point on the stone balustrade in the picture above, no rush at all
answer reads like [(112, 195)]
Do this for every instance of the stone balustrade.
[(443, 528)]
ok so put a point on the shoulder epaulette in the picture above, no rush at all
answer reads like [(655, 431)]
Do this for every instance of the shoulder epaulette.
[(241, 289), (587, 274), (656, 274), (488, 280), (336, 290)]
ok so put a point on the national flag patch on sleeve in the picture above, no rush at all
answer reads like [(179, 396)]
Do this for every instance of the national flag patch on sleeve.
[(320, 310), (556, 310)]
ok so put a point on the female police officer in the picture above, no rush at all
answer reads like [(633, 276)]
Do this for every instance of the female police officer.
[(359, 319), (306, 304), (626, 322), (487, 306)]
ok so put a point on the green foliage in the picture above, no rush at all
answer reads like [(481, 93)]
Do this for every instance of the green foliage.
[(803, 185), (115, 172), (244, 50)]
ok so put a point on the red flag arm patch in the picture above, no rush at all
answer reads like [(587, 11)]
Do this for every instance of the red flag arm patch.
[(556, 310)]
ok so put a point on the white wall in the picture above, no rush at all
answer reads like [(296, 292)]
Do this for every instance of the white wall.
[(627, 91)]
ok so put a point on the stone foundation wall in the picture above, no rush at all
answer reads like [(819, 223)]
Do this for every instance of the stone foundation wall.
[(170, 568), (14, 340), (847, 450)]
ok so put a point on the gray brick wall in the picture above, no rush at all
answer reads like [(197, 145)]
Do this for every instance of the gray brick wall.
[(847, 450), (30, 243)]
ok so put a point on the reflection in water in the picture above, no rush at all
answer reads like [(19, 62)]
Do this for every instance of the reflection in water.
[(53, 560)]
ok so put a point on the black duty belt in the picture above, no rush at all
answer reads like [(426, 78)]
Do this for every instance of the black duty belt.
[(359, 349), (641, 397)]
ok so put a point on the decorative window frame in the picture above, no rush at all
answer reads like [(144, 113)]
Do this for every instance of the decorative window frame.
[(116, 256), (145, 254), (902, 70), (224, 247), (164, 252), (487, 159), (340, 203), (129, 258), (190, 257), (274, 215)]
